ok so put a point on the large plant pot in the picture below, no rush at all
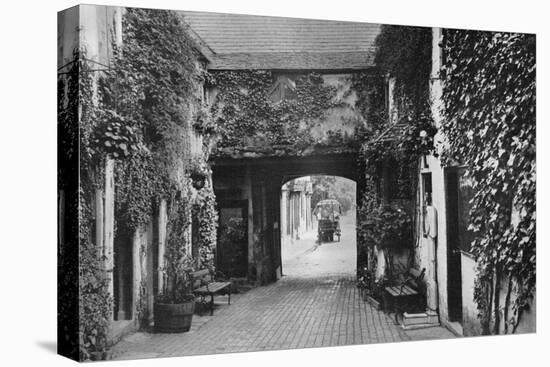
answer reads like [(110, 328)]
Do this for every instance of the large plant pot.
[(173, 318)]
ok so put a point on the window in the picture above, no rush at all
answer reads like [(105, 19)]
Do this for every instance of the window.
[(283, 89), (390, 101)]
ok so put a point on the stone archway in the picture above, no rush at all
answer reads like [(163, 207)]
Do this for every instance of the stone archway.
[(256, 183)]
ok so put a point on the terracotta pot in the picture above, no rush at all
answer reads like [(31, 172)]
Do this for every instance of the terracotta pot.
[(173, 318)]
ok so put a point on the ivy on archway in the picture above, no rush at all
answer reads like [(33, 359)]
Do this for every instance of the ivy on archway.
[(245, 115)]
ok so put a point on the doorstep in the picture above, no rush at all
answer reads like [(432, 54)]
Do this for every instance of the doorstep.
[(419, 320)]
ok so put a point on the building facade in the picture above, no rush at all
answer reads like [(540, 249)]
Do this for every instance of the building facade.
[(133, 261), (443, 241), (296, 217)]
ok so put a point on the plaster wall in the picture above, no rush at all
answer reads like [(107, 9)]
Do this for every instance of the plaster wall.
[(470, 321), (431, 253), (344, 118), (438, 246), (436, 266), (89, 27)]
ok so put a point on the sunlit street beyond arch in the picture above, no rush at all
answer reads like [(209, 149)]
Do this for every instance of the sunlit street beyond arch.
[(307, 257)]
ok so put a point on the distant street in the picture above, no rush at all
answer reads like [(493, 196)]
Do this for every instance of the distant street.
[(306, 258)]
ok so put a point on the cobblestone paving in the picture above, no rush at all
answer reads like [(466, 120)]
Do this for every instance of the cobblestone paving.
[(316, 305), (292, 313)]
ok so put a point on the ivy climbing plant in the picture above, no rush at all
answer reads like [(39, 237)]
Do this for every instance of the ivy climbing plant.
[(139, 113), (245, 115), (391, 151), (76, 114), (149, 99), (204, 210), (489, 108)]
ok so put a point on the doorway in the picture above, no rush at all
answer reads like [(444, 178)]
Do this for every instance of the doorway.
[(459, 192), (122, 276), (232, 248)]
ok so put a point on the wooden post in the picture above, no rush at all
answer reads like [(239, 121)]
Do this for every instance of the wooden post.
[(136, 270), (99, 221), (61, 220), (162, 222), (248, 188), (109, 223)]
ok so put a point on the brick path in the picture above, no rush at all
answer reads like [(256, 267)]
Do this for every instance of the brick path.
[(292, 313), (316, 305)]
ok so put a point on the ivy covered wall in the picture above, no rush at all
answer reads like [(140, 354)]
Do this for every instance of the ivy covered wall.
[(489, 96), (134, 120), (403, 131), (322, 116)]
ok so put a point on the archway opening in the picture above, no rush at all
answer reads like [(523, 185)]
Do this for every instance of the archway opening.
[(318, 226)]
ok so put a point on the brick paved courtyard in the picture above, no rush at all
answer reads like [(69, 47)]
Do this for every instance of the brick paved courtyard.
[(302, 310)]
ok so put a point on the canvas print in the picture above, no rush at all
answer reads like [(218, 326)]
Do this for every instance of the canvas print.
[(236, 183)]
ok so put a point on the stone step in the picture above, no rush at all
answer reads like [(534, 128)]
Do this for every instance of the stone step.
[(428, 318)]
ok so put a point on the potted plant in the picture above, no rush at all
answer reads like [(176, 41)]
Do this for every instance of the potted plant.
[(198, 172), (175, 304), (388, 229)]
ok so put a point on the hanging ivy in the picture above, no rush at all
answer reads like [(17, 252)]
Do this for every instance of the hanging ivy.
[(76, 114), (70, 229), (489, 108), (244, 112), (148, 101), (138, 113), (204, 210), (393, 148)]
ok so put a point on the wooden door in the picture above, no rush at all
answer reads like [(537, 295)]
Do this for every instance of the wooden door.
[(232, 248), (454, 266)]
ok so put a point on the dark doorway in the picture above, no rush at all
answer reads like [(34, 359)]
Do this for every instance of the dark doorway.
[(232, 248), (459, 193), (123, 275)]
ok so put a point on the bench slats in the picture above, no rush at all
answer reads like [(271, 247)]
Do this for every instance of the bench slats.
[(212, 287), (401, 291)]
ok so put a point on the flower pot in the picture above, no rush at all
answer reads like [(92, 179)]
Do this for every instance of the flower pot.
[(173, 318), (198, 180)]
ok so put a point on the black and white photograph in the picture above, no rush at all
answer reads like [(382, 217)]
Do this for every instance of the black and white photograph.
[(237, 181)]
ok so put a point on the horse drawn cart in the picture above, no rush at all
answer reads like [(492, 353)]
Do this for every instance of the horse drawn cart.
[(328, 214)]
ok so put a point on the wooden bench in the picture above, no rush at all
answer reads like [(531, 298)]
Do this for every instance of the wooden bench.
[(205, 284), (408, 294)]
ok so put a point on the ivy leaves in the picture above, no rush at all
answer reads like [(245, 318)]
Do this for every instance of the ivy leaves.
[(388, 227), (244, 114), (147, 103), (115, 136), (489, 100)]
